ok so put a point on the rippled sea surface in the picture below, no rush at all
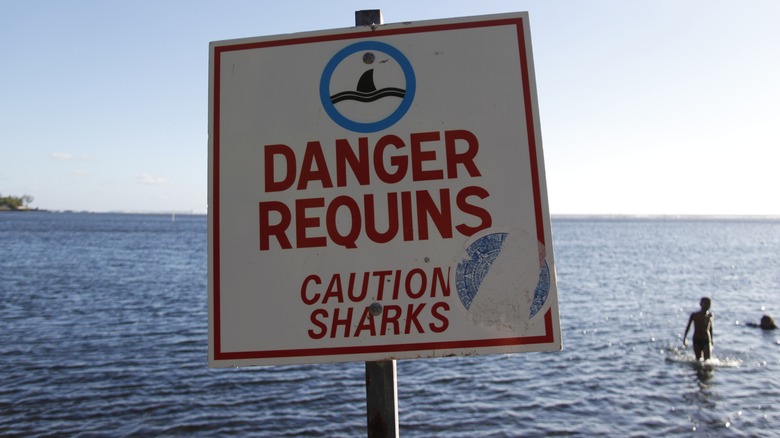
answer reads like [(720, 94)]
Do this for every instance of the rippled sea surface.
[(103, 332)]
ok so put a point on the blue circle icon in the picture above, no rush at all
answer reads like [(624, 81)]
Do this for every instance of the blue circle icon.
[(328, 101)]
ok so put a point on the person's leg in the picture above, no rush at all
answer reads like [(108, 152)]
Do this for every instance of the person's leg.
[(706, 351), (697, 350)]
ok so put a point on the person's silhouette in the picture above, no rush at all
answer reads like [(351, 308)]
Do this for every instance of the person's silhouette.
[(702, 331)]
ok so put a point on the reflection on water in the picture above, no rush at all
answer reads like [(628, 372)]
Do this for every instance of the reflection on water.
[(702, 397), (704, 375)]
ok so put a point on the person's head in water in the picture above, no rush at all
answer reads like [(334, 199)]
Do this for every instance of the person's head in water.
[(767, 323), (705, 304)]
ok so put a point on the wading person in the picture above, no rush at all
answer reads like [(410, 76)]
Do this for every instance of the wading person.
[(702, 331)]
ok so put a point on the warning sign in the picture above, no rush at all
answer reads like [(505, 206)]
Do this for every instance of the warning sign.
[(378, 193)]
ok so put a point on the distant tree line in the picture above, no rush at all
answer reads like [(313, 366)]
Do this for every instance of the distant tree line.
[(15, 202)]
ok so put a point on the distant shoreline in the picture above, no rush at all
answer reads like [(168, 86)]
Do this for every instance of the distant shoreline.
[(668, 217), (166, 213), (605, 217), (4, 209)]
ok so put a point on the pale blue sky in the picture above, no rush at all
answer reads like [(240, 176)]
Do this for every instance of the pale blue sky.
[(663, 107)]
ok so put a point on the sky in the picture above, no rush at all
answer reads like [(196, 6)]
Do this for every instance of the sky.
[(667, 107)]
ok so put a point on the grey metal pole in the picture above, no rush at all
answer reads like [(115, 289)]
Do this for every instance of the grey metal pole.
[(381, 399), (381, 384)]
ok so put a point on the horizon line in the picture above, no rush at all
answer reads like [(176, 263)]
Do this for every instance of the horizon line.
[(552, 215)]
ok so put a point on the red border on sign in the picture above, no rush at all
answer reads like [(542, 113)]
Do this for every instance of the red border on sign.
[(547, 337)]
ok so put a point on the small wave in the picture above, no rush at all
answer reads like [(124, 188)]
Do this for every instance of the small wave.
[(678, 355)]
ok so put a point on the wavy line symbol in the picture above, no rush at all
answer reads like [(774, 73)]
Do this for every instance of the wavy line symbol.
[(471, 271), (367, 91)]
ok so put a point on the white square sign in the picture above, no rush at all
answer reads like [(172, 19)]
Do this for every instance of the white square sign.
[(378, 193)]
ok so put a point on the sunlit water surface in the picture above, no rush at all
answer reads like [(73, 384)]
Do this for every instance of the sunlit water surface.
[(103, 331)]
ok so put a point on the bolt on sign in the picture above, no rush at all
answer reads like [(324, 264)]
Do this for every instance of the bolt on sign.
[(378, 193)]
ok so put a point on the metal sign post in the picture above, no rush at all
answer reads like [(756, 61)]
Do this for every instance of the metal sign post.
[(381, 384), (381, 399)]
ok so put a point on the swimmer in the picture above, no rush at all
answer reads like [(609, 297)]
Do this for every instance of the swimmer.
[(702, 330), (767, 323)]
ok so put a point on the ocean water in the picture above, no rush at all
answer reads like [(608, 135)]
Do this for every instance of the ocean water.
[(103, 332)]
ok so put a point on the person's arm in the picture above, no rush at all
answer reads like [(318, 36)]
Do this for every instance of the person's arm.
[(688, 327), (712, 337)]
